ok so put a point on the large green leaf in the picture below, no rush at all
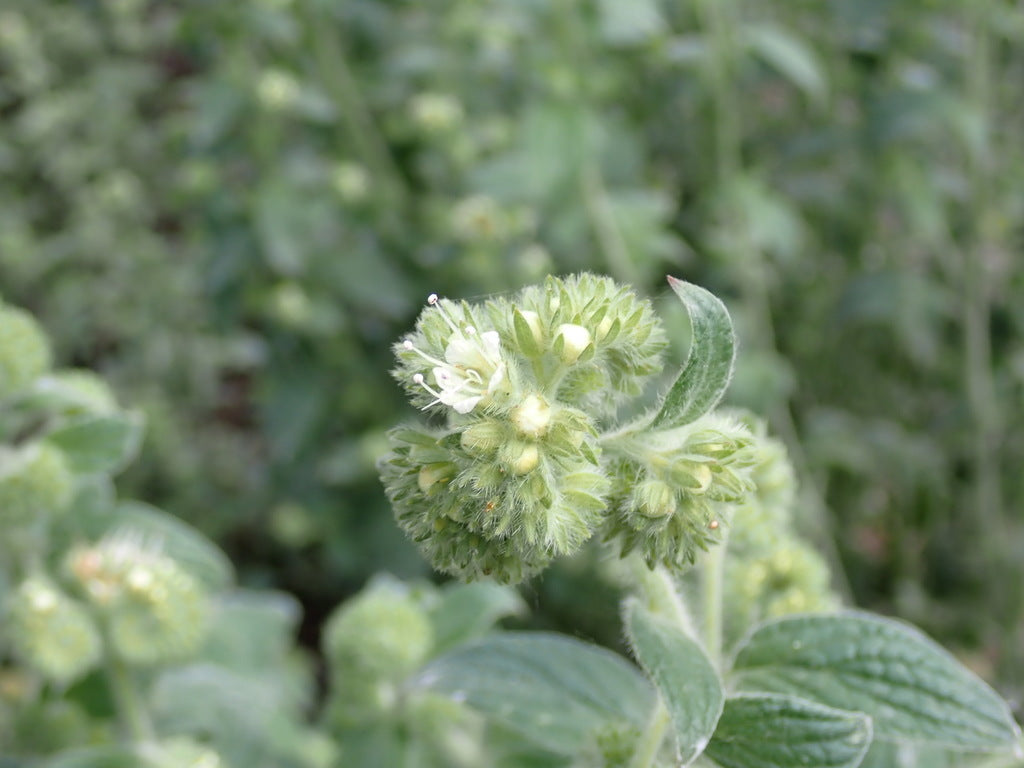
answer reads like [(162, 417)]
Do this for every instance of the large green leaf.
[(252, 631), (99, 443), (551, 689), (466, 611), (709, 363), (685, 677), (911, 687), (770, 731)]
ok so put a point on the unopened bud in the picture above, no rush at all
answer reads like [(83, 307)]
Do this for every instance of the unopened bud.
[(483, 437), (574, 340), (432, 474), (521, 458), (655, 498), (532, 417)]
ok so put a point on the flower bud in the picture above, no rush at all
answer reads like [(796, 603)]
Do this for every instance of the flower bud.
[(483, 437), (432, 474), (532, 416), (694, 477), (372, 643), (52, 633), (24, 351), (520, 458), (654, 498), (156, 611), (571, 341)]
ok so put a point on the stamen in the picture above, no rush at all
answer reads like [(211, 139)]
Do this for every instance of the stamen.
[(407, 344), (418, 379), (434, 301)]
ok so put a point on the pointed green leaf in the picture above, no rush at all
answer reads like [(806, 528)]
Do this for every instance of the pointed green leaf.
[(772, 731), (790, 56), (551, 689), (685, 677), (709, 363), (524, 335), (99, 443), (912, 688)]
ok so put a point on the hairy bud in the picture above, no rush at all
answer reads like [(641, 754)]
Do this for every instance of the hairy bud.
[(52, 633), (155, 610), (372, 643), (670, 484)]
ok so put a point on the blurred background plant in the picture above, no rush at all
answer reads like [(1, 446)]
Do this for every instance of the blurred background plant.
[(232, 210)]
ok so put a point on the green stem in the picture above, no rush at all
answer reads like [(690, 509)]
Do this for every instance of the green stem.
[(719, 20), (977, 307), (360, 129), (131, 710), (712, 578), (651, 738), (661, 595)]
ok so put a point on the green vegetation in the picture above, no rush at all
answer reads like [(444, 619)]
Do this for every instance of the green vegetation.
[(225, 216)]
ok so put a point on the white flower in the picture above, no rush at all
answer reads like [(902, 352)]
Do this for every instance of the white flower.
[(472, 368)]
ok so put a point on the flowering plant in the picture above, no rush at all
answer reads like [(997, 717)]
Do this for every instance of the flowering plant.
[(526, 458)]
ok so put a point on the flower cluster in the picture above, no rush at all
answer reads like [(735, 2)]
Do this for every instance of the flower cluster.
[(51, 632), (673, 483), (155, 611), (372, 643), (771, 571), (512, 476)]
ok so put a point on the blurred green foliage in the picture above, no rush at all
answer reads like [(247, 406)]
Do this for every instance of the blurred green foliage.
[(231, 210)]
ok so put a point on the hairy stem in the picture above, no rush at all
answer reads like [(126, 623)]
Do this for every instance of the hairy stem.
[(712, 577), (651, 738)]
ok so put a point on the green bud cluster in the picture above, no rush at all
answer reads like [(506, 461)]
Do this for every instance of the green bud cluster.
[(51, 632), (372, 643), (789, 578), (770, 571), (611, 341), (154, 610), (514, 477), (35, 484), (672, 483), (24, 351)]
